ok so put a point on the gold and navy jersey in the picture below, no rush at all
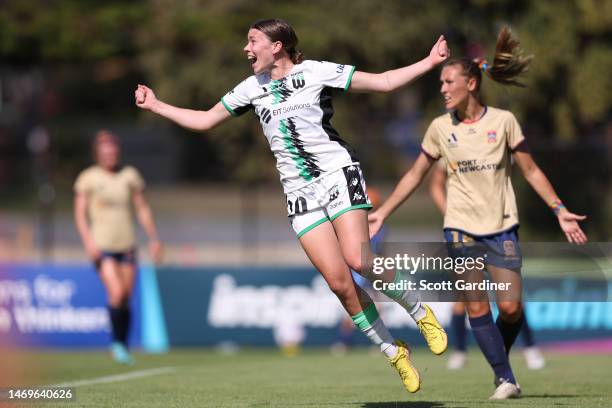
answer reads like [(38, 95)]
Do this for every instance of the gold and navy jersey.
[(480, 197), (109, 209), (295, 114)]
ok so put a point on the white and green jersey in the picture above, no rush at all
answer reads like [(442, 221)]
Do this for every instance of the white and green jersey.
[(295, 113)]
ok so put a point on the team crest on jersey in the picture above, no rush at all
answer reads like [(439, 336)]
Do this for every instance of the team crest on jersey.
[(452, 140), (509, 249), (297, 80), (491, 136)]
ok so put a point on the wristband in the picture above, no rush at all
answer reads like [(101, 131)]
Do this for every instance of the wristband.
[(556, 206)]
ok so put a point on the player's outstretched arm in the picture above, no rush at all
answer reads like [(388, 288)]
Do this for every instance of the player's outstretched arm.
[(391, 80), (188, 118), (408, 183), (539, 182)]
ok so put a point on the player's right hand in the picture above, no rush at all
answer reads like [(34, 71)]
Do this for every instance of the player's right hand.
[(156, 250), (92, 251), (144, 97), (375, 221)]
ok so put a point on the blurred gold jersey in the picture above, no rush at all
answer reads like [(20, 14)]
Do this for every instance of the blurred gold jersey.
[(480, 197), (110, 205)]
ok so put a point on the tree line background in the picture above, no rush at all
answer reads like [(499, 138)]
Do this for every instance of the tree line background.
[(70, 67)]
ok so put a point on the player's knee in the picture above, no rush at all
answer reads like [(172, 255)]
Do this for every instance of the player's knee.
[(477, 309), (458, 308), (114, 299), (510, 311), (354, 262), (341, 287), (118, 297)]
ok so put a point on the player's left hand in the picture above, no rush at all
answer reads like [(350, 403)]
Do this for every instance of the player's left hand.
[(440, 51), (569, 224)]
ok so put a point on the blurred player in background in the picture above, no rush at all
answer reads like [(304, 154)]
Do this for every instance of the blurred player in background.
[(324, 186), (476, 142), (104, 196), (457, 360)]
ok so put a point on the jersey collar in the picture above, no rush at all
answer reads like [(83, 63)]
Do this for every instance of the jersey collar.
[(469, 122)]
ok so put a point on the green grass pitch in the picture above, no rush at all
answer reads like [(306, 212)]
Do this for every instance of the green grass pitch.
[(265, 378)]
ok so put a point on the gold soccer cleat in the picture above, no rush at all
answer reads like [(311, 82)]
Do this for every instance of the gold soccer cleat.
[(433, 332), (409, 375)]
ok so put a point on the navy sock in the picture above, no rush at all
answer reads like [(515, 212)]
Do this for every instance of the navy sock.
[(116, 326), (459, 332), (492, 346), (126, 318), (526, 333), (509, 331)]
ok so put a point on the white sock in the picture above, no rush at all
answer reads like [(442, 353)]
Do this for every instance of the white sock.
[(412, 304), (379, 335), (407, 299), (418, 312)]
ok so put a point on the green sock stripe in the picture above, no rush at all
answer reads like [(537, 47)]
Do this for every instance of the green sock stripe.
[(398, 277), (394, 294), (366, 318)]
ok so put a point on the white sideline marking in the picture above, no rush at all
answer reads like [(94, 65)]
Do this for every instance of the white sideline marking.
[(118, 377)]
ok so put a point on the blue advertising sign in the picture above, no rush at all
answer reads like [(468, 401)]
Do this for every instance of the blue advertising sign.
[(65, 306), (263, 306), (55, 305)]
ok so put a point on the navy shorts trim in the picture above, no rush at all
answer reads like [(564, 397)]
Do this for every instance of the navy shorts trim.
[(126, 257)]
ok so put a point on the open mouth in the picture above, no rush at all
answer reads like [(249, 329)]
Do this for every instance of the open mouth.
[(252, 59)]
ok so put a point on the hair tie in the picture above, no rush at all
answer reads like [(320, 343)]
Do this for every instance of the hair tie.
[(483, 65)]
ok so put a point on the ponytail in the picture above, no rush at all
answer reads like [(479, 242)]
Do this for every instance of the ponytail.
[(508, 63), (296, 56)]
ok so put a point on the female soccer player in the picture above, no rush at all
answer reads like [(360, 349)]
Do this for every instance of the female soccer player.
[(476, 142), (457, 360), (320, 173), (104, 194)]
